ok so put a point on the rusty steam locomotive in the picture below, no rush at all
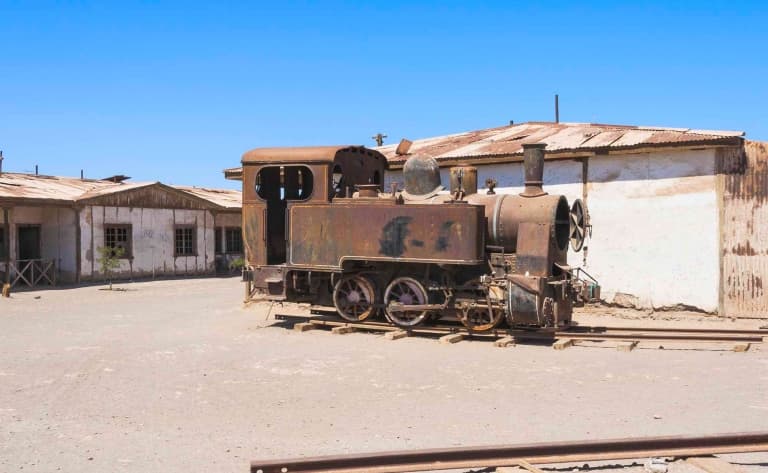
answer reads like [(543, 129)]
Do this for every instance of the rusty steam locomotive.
[(319, 227)]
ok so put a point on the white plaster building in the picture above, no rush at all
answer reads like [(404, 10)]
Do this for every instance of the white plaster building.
[(678, 215), (51, 228)]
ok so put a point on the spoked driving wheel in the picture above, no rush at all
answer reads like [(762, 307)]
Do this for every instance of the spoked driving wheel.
[(354, 298), (405, 291)]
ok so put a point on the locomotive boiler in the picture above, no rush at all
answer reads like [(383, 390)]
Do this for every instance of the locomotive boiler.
[(319, 227)]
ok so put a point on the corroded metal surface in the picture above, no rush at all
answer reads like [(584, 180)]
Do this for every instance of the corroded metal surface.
[(560, 138), (410, 244), (38, 189), (744, 235), (348, 229)]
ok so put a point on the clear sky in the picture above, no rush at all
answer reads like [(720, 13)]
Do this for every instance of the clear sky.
[(178, 91)]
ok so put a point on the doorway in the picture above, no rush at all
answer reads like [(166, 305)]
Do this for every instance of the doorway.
[(30, 244), (279, 185)]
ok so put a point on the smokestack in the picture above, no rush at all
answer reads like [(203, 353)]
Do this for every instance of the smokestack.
[(533, 165), (35, 169), (557, 109), (1, 161)]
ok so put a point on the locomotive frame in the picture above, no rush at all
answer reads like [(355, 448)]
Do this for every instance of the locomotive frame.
[(318, 227)]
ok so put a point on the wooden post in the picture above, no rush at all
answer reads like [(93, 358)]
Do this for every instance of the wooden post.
[(7, 244)]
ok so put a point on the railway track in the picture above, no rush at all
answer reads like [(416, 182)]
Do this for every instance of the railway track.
[(560, 338), (525, 456)]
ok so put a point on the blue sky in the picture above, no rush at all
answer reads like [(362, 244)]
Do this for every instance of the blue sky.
[(177, 91)]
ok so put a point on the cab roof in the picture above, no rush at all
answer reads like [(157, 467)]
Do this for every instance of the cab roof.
[(306, 154)]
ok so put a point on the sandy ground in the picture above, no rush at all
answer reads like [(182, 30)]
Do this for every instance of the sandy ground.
[(177, 375)]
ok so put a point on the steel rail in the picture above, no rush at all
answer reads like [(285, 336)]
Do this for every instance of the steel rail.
[(507, 455), (577, 332), (598, 329), (607, 328)]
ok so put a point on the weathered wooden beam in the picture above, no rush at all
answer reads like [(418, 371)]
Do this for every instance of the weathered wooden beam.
[(626, 346), (562, 343), (396, 335), (504, 342), (342, 330), (304, 326), (452, 338)]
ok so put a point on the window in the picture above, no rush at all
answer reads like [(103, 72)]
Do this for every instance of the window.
[(184, 242), (234, 238), (118, 236), (280, 183), (2, 243), (217, 246)]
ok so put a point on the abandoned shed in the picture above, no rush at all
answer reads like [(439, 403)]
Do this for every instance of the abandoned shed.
[(52, 229)]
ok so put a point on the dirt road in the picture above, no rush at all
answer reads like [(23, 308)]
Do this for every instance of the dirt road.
[(178, 376)]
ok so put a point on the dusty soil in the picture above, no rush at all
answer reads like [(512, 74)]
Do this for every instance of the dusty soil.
[(178, 375)]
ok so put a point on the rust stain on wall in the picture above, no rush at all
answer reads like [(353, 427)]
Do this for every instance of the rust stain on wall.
[(743, 188)]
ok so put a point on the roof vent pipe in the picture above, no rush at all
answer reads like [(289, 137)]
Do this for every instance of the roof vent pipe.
[(533, 165)]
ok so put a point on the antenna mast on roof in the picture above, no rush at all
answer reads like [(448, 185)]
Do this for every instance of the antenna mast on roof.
[(1, 161)]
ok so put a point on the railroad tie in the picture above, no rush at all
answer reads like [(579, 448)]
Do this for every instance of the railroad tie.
[(626, 346), (342, 330), (396, 335), (713, 465), (304, 326), (504, 342), (452, 338)]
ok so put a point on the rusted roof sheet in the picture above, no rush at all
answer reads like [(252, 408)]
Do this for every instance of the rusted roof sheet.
[(69, 190), (227, 198), (54, 188), (560, 138)]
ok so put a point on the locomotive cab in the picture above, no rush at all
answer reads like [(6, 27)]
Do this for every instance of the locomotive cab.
[(274, 179)]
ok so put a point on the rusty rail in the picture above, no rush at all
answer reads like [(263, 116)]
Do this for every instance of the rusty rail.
[(576, 332), (507, 455)]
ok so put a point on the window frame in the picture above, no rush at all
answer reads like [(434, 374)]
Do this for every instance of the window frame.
[(128, 253), (239, 231), (307, 178), (193, 238)]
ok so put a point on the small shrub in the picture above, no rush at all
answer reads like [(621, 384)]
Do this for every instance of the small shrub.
[(109, 259)]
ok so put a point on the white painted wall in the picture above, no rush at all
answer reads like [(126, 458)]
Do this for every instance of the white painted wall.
[(654, 216), (153, 233), (655, 220), (57, 233)]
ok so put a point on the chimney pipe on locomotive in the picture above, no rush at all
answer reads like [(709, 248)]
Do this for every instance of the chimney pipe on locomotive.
[(533, 165)]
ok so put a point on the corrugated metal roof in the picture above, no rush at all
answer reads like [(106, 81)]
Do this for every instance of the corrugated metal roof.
[(16, 186), (67, 189), (228, 198), (560, 138)]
